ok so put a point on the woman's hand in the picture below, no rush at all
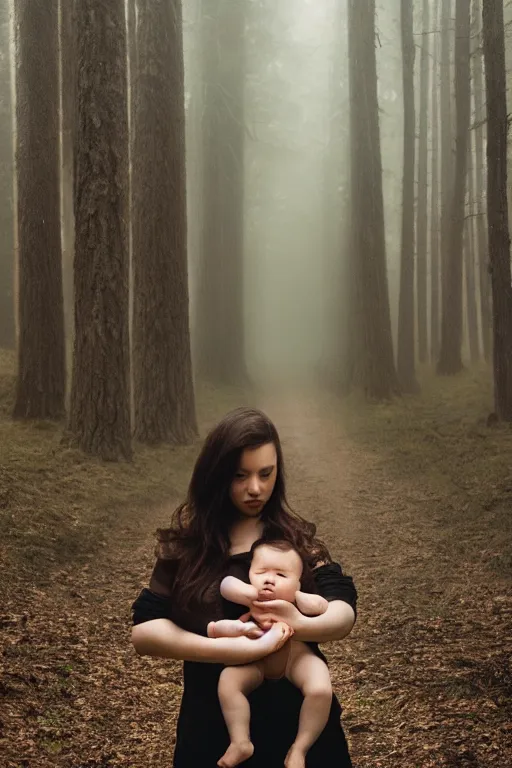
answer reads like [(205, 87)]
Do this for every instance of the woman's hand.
[(273, 640), (267, 612), (243, 650)]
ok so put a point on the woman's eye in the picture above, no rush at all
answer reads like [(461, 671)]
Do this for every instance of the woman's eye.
[(239, 476), (265, 475)]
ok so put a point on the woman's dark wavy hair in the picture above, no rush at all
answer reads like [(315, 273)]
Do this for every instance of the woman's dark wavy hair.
[(198, 538)]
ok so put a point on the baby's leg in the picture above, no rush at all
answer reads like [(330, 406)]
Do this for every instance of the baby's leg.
[(311, 676), (235, 684)]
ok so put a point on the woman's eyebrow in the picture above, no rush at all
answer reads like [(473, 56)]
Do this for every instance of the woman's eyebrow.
[(263, 469)]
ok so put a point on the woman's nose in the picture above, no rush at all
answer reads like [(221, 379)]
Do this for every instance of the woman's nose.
[(254, 486)]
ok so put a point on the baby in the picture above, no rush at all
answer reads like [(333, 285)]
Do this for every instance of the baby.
[(275, 573)]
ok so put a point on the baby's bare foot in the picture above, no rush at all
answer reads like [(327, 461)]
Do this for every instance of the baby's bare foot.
[(295, 758), (236, 753)]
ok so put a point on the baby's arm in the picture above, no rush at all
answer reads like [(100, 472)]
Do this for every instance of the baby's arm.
[(233, 628), (237, 591), (311, 605)]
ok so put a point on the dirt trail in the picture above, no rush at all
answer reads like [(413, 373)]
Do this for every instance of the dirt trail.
[(423, 677)]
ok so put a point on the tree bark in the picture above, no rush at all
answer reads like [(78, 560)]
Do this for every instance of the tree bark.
[(481, 222), (162, 369), (335, 211), (422, 207), (406, 350), (469, 266), (7, 325), (450, 359), (100, 403), (220, 306), (68, 99), (372, 367), (497, 205), (434, 203), (41, 379), (447, 148)]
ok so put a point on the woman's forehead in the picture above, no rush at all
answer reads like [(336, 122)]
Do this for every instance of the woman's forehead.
[(254, 459)]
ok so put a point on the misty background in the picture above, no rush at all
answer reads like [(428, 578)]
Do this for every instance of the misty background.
[(299, 205)]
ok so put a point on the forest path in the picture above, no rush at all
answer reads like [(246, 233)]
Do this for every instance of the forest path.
[(423, 677)]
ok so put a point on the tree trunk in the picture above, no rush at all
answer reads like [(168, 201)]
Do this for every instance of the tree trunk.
[(497, 206), (7, 327), (422, 208), (434, 203), (335, 211), (373, 366), (220, 320), (162, 369), (131, 66), (446, 137), (469, 267), (41, 355), (450, 360), (100, 403), (68, 84), (406, 350), (481, 222)]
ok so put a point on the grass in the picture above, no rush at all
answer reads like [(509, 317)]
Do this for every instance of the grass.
[(57, 504), (459, 468)]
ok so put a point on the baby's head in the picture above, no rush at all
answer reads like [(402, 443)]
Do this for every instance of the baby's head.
[(276, 569)]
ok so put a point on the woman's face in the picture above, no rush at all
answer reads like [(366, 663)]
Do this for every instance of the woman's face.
[(254, 480)]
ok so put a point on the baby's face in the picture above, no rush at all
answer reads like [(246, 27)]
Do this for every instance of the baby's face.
[(275, 574)]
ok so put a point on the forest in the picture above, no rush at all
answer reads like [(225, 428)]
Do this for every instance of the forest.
[(298, 205)]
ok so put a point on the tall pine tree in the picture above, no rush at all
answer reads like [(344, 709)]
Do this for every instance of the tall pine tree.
[(100, 402), (41, 378), (162, 369), (372, 365), (497, 205)]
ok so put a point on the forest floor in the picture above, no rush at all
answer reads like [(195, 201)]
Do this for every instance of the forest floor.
[(414, 497)]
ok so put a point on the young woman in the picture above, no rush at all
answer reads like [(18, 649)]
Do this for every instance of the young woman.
[(237, 496)]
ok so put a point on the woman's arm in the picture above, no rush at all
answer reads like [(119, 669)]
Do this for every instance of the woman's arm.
[(335, 624), (164, 639)]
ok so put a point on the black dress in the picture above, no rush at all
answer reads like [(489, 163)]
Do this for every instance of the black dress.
[(202, 737)]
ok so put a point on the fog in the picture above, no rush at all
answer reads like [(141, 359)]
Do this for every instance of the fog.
[(290, 267), (296, 175)]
